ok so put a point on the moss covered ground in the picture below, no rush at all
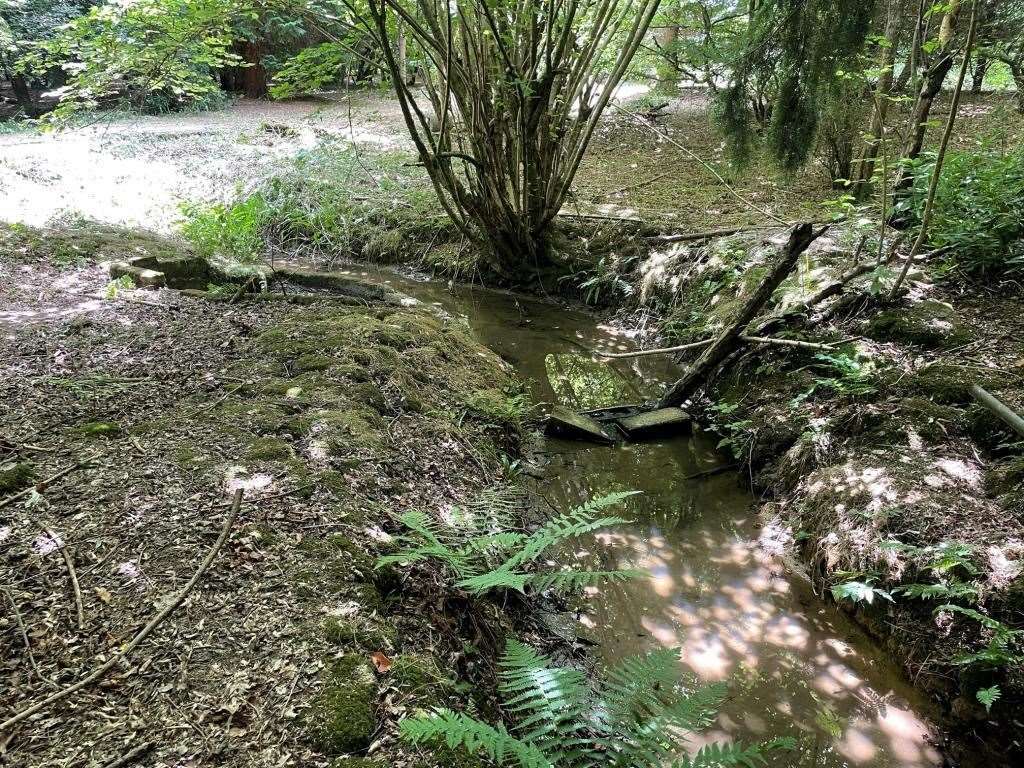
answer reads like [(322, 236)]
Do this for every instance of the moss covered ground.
[(332, 419)]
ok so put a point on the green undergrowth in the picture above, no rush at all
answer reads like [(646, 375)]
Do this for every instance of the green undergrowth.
[(334, 200)]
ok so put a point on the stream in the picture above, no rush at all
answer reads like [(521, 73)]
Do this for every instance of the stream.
[(795, 664)]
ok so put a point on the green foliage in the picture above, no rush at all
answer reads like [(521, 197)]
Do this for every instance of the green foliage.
[(854, 376), (129, 53), (859, 591), (792, 62), (989, 696), (636, 717), (231, 231), (310, 71), (327, 203), (979, 208), (483, 553), (123, 283), (1005, 645)]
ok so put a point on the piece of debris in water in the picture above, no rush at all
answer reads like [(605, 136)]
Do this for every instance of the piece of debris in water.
[(660, 423), (566, 423)]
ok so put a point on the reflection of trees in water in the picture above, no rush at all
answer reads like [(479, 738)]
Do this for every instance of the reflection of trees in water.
[(584, 383)]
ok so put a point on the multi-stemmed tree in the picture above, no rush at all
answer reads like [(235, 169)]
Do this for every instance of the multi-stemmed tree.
[(513, 90)]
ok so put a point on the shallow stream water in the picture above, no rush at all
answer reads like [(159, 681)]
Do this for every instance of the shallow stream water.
[(794, 663)]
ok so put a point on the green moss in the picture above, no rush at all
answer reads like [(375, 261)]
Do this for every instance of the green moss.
[(360, 633), (98, 429), (926, 323), (443, 756), (313, 362), (951, 384), (259, 417), (499, 408), (268, 449), (419, 675), (15, 475), (342, 717), (348, 561)]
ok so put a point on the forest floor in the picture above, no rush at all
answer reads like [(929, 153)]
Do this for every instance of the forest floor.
[(332, 419), (878, 443)]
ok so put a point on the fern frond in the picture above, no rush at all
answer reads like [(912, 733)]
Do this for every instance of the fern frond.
[(734, 754), (568, 581), (649, 742), (641, 686), (501, 541), (499, 578), (458, 730), (547, 703), (569, 525)]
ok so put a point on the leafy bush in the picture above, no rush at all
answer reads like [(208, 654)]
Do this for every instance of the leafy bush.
[(310, 70), (484, 553), (329, 203), (636, 718), (979, 208), (232, 231)]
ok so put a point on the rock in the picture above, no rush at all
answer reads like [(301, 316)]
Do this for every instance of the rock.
[(659, 423), (566, 423), (183, 270), (141, 276), (341, 719), (15, 475), (926, 323)]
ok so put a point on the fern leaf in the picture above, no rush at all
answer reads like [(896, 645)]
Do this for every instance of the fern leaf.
[(547, 703), (458, 730), (734, 754), (568, 581), (499, 578), (641, 686)]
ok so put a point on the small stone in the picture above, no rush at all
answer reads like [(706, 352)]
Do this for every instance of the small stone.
[(659, 423), (566, 423)]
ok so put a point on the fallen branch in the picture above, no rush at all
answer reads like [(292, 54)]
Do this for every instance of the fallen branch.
[(24, 637), (638, 184), (146, 631), (1000, 409), (799, 239), (707, 234), (821, 346), (43, 485), (76, 589)]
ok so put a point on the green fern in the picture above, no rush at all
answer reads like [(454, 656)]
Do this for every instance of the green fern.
[(483, 555), (635, 718)]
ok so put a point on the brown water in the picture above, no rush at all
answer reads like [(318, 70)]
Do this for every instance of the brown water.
[(795, 664)]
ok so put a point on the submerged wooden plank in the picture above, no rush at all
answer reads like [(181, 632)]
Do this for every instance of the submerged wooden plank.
[(659, 423), (567, 423)]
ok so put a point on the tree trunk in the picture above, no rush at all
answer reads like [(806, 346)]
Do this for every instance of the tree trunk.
[(254, 77), (978, 77), (887, 64), (799, 239), (1017, 70)]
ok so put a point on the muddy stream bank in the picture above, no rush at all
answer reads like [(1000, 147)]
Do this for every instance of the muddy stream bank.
[(719, 589)]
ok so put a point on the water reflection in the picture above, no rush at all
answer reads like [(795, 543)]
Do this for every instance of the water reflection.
[(796, 666)]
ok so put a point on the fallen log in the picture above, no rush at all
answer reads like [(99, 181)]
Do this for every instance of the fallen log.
[(709, 234), (1000, 409), (799, 240)]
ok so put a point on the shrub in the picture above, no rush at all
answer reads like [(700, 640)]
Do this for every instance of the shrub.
[(979, 209)]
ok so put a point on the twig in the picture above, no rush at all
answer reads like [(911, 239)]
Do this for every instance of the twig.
[(75, 587), (215, 403), (41, 486), (721, 468), (637, 184), (241, 290), (695, 344), (146, 631), (24, 637), (131, 755)]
